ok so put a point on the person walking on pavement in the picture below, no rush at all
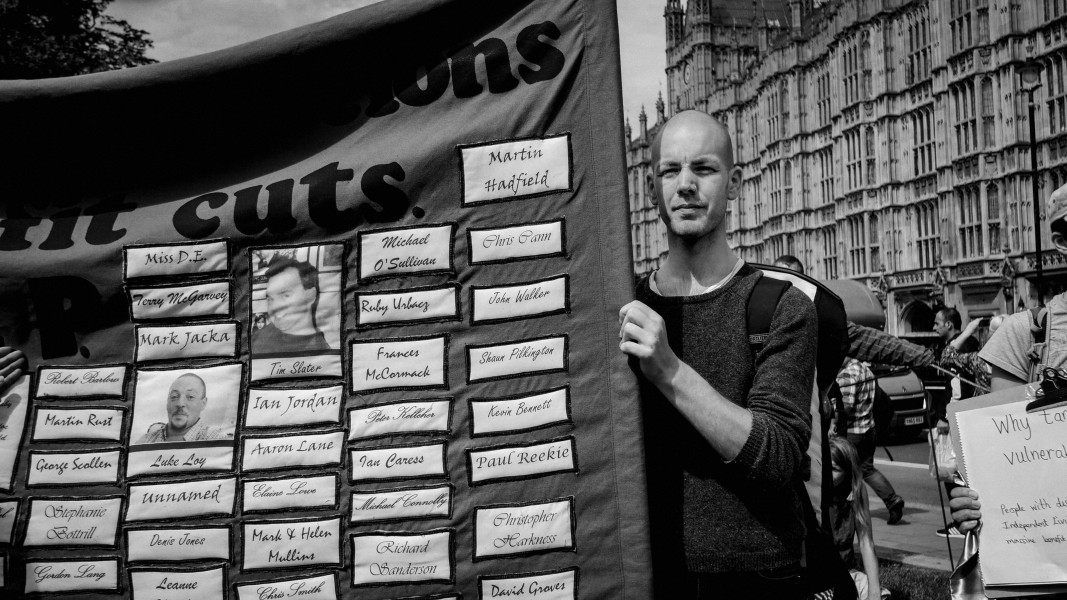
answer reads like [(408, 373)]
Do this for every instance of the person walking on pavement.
[(857, 384)]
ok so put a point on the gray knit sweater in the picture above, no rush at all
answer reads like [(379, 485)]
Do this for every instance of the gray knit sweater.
[(709, 515)]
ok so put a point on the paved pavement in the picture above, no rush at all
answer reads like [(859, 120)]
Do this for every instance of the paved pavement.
[(913, 540)]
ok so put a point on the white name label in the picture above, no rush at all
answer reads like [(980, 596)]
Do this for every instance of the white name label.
[(148, 461), (78, 424), (518, 529), (402, 504), (288, 407), (292, 451), (322, 365), (383, 364), (207, 584), (517, 169), (399, 462), (518, 242), (182, 259), (391, 252), (176, 500), (517, 358), (520, 413), (536, 298), (311, 588), (552, 585), (49, 468), (49, 577), (73, 522), (186, 341), (292, 544), (178, 544), (400, 417), (518, 462), (9, 511), (434, 304), (402, 558), (14, 408), (295, 492), (81, 382), (183, 301)]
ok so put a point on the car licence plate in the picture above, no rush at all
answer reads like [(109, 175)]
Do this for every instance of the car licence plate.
[(914, 420)]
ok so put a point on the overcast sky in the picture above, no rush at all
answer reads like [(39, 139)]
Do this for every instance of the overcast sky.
[(182, 28)]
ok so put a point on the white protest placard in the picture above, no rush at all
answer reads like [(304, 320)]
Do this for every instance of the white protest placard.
[(1017, 462)]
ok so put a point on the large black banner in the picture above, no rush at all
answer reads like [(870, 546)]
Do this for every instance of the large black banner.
[(331, 314)]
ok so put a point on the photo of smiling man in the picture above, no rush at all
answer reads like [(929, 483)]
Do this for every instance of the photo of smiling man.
[(186, 400), (297, 292)]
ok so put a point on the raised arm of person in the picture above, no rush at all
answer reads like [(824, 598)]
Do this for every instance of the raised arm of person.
[(871, 345), (768, 438)]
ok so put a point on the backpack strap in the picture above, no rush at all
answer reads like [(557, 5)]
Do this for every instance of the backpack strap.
[(1038, 317), (762, 302), (1039, 331)]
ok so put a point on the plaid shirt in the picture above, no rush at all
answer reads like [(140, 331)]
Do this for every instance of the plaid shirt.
[(857, 394), (874, 346)]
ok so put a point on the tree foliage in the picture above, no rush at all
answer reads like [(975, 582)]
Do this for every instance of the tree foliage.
[(57, 38)]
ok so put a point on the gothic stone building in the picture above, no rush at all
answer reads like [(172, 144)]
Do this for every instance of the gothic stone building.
[(885, 141)]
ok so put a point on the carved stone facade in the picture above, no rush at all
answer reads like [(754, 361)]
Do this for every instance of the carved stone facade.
[(885, 141)]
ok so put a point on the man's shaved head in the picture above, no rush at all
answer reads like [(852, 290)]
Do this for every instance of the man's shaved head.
[(696, 118)]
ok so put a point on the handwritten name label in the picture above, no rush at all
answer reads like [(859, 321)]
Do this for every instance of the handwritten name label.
[(517, 242), (400, 417), (177, 500), (516, 529), (380, 559), (410, 306), (547, 585), (412, 363), (14, 407), (322, 365), (393, 252), (398, 462), (292, 451), (206, 584), (49, 577), (9, 512), (281, 544), (310, 588), (520, 413), (182, 301), (81, 382), (178, 544), (296, 406), (146, 460), (295, 492), (502, 463), (179, 259), (516, 169), (532, 299), (402, 504), (73, 468), (168, 342), (73, 522), (538, 355), (78, 424)]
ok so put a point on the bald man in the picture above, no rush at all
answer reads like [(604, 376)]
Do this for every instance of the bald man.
[(186, 399), (726, 426)]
